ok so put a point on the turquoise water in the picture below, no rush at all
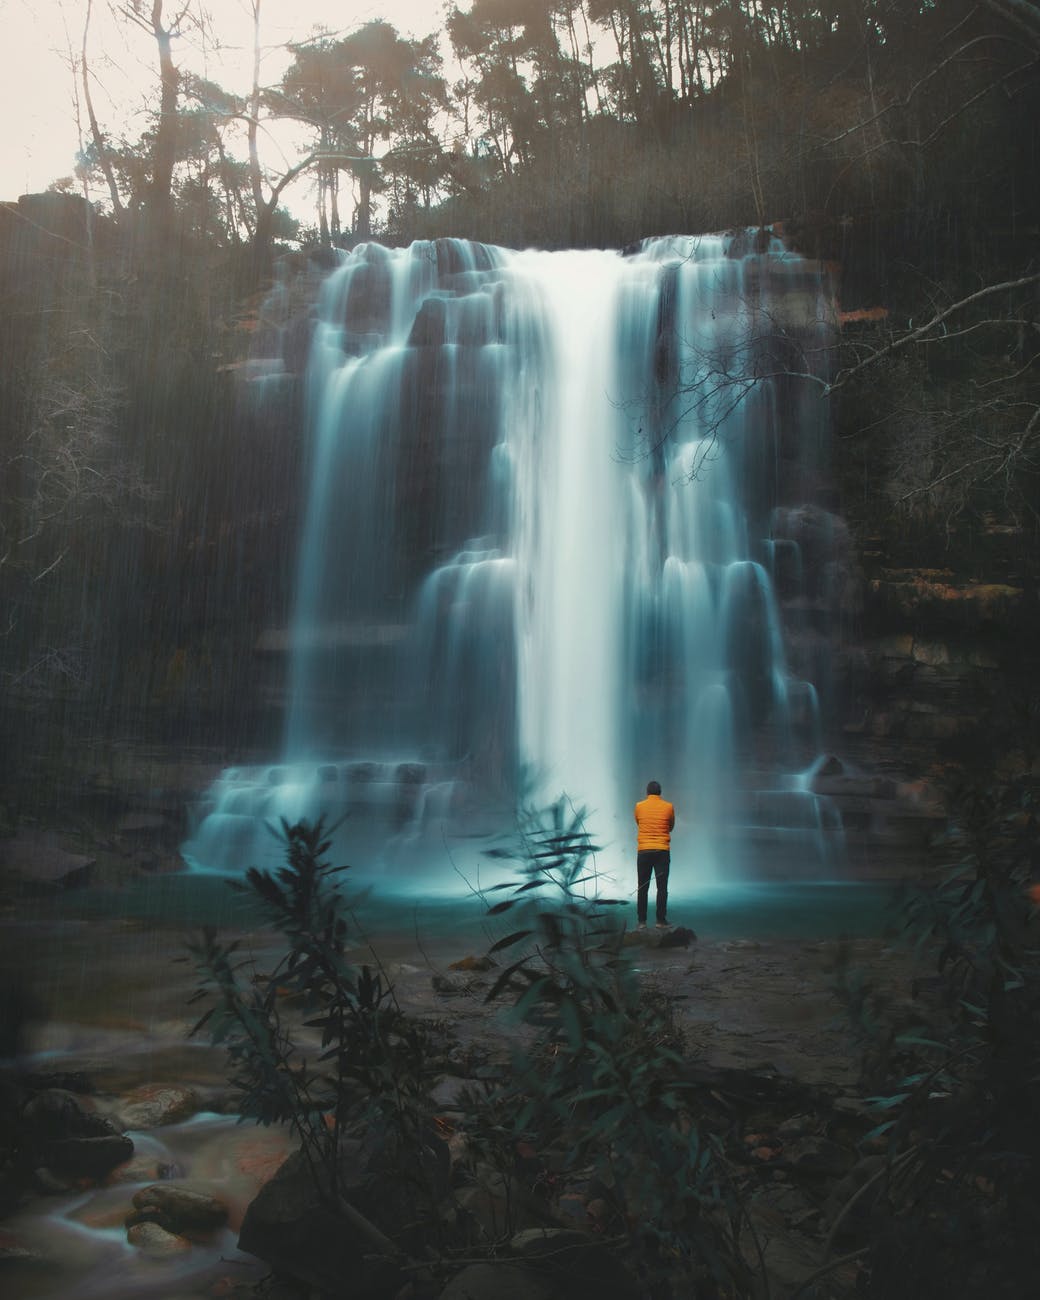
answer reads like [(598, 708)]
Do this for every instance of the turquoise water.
[(765, 910)]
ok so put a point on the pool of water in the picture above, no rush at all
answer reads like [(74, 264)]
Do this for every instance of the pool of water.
[(768, 909)]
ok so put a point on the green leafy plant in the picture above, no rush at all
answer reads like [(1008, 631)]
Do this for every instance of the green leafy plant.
[(604, 1093), (960, 1106), (375, 1066)]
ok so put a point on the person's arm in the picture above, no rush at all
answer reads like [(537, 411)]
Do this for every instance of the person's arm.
[(671, 819)]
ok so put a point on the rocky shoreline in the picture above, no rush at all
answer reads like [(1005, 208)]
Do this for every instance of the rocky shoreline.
[(133, 1179)]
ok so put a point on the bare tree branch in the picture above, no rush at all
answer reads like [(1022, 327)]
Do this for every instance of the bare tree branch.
[(918, 334)]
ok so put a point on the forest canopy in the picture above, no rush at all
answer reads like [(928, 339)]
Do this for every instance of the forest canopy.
[(626, 118)]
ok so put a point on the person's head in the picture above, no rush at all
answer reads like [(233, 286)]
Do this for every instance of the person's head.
[(653, 787)]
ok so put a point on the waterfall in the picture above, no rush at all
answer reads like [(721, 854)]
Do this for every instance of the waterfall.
[(539, 548)]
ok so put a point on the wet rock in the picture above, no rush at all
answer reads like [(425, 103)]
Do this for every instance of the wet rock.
[(152, 1240), (447, 987), (428, 326), (179, 1208), (70, 1140), (57, 1113), (87, 1157), (498, 1282), (49, 1184), (156, 1104)]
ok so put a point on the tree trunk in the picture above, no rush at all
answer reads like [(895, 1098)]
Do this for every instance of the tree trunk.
[(165, 152), (104, 161)]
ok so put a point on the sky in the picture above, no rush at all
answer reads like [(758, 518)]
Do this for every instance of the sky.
[(39, 142)]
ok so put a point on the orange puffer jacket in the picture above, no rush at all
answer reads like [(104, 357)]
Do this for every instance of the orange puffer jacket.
[(655, 818)]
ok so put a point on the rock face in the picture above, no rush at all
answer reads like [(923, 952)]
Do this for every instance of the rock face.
[(40, 858)]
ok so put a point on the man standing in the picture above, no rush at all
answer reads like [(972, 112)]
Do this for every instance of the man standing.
[(655, 818)]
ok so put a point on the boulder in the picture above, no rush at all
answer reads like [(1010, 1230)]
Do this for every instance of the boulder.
[(156, 1242), (155, 1104), (67, 1138), (179, 1208), (87, 1157), (291, 1225)]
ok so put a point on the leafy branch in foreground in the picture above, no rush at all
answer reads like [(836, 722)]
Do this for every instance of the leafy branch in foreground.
[(958, 1105), (374, 1065), (605, 1092)]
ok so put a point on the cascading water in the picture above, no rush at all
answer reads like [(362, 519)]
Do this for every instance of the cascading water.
[(546, 500)]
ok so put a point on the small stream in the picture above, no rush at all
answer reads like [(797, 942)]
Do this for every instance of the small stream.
[(77, 1244)]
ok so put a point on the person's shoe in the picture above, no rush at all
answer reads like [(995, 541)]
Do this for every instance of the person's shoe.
[(664, 925), (641, 925)]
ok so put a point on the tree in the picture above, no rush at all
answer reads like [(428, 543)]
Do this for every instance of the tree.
[(148, 15)]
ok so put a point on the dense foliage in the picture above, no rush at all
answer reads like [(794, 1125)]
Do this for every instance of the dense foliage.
[(955, 1073)]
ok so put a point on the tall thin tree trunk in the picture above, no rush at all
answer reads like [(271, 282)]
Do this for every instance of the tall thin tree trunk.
[(165, 152), (101, 149)]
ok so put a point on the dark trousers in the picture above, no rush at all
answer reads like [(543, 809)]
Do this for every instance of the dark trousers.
[(652, 862)]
